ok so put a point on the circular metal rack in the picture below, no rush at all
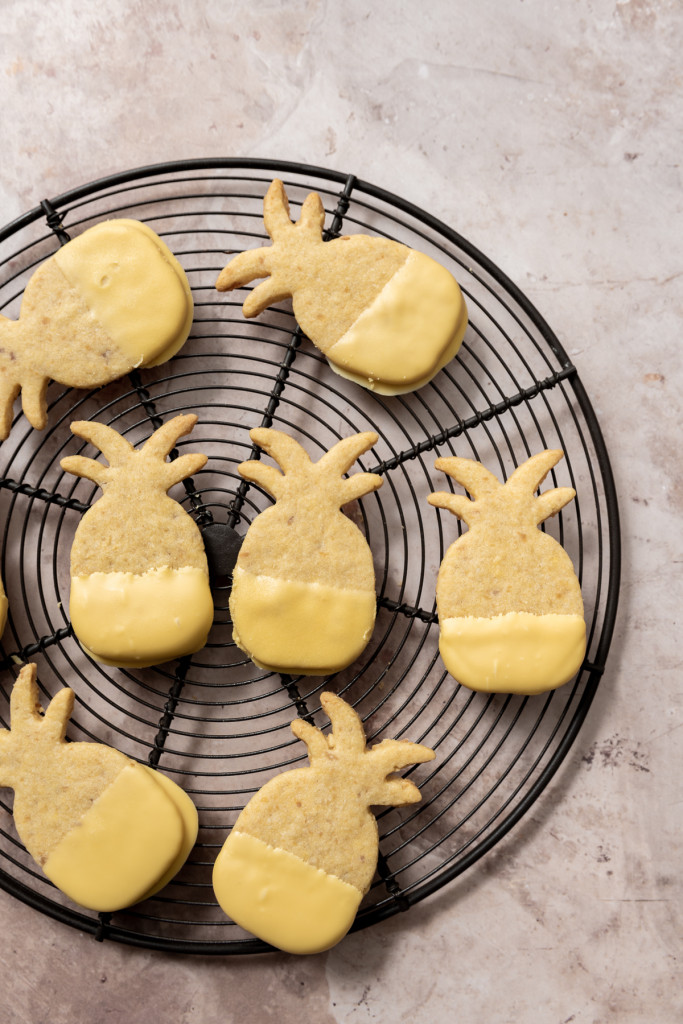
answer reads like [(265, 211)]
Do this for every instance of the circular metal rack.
[(214, 722)]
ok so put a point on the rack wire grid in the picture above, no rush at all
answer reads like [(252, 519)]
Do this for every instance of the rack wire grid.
[(214, 722)]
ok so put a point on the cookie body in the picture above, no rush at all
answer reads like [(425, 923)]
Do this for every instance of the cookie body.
[(140, 592), (510, 608), (110, 300), (304, 850), (303, 596), (105, 830), (384, 315)]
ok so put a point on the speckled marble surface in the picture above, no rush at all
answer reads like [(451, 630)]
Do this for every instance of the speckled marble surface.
[(550, 135)]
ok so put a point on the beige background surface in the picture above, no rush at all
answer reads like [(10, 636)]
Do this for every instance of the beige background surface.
[(548, 134)]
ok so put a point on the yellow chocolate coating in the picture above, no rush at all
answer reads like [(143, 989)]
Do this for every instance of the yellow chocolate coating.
[(133, 286), (125, 842), (135, 620), (190, 820), (280, 898), (298, 627), (513, 653)]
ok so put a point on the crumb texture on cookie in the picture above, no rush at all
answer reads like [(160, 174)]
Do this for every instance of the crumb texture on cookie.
[(385, 315), (105, 830), (303, 596), (140, 590), (509, 602), (305, 847), (112, 299)]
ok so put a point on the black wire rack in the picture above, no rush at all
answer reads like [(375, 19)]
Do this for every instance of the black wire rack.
[(214, 722)]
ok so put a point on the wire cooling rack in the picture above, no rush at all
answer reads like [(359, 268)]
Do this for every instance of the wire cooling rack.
[(214, 722)]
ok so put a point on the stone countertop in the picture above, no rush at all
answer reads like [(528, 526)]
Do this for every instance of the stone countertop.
[(550, 136)]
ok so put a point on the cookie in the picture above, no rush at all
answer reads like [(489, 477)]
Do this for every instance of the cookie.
[(384, 315), (304, 850), (105, 830), (510, 608), (110, 300), (140, 589), (303, 596)]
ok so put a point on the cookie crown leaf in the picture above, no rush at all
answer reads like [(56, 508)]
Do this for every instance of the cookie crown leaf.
[(268, 260), (120, 453), (297, 466), (15, 377), (485, 488), (347, 743), (27, 719), (276, 216)]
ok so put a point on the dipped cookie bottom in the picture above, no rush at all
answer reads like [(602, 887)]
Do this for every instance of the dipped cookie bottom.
[(133, 620), (123, 257), (281, 898), (299, 628), (518, 652), (382, 387), (414, 327), (127, 842)]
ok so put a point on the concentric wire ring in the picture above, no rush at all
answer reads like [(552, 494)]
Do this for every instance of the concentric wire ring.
[(214, 722)]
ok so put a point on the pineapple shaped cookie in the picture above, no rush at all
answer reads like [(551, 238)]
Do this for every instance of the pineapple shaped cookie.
[(510, 608), (140, 589), (110, 300), (384, 315), (106, 830), (303, 596), (304, 850)]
